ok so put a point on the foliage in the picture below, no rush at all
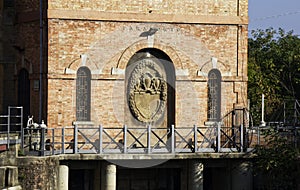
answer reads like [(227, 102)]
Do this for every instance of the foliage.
[(277, 160), (273, 69)]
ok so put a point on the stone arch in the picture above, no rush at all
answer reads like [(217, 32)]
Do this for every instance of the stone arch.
[(143, 44), (214, 63), (150, 89), (82, 61)]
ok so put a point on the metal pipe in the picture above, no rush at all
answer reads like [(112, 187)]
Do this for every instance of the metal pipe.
[(41, 62)]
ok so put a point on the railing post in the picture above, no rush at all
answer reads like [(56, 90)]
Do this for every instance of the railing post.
[(258, 135), (22, 139), (295, 112), (21, 116), (100, 139), (149, 139), (42, 142), (8, 128), (172, 139), (53, 139), (75, 148), (242, 137), (125, 139), (63, 140), (195, 139), (218, 137), (22, 132), (295, 137)]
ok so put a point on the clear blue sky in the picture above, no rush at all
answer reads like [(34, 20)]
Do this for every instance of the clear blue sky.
[(275, 13)]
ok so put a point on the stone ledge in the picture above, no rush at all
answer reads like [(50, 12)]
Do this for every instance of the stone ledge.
[(142, 17), (13, 188), (83, 123), (156, 156)]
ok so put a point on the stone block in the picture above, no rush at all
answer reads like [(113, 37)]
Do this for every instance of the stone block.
[(2, 177), (12, 176), (18, 187)]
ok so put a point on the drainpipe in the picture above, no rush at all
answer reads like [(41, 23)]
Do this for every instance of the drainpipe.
[(41, 62), (262, 123)]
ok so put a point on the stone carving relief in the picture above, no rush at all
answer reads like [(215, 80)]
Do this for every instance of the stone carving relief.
[(147, 90)]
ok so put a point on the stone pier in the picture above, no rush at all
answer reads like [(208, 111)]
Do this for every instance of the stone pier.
[(63, 178), (109, 176)]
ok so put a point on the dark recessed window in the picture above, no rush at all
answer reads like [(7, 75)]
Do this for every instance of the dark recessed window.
[(214, 95), (83, 94)]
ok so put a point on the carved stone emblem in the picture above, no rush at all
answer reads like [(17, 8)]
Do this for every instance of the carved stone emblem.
[(147, 91)]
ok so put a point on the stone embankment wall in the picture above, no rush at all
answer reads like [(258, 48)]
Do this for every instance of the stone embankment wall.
[(28, 173), (38, 172)]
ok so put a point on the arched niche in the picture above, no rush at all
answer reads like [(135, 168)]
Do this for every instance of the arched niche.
[(150, 89)]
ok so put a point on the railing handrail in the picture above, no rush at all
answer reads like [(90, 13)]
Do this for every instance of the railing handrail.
[(148, 140), (9, 123)]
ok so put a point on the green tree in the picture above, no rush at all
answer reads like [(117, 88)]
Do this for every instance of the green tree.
[(273, 69), (277, 161)]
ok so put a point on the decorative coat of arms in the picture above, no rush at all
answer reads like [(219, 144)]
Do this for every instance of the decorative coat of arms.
[(147, 91)]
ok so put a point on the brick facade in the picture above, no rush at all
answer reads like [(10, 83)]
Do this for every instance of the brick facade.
[(196, 36)]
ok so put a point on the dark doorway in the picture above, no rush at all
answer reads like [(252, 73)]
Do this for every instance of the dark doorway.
[(216, 178), (81, 179), (149, 179), (24, 93)]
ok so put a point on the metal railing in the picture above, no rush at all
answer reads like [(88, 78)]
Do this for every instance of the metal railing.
[(126, 140), (232, 134), (11, 125), (288, 113)]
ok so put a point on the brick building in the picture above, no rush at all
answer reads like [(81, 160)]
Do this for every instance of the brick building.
[(134, 63)]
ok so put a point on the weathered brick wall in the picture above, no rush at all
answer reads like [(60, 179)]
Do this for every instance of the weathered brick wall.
[(29, 41), (191, 7), (26, 45), (27, 5), (111, 44), (38, 173), (1, 58), (7, 56), (1, 87)]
